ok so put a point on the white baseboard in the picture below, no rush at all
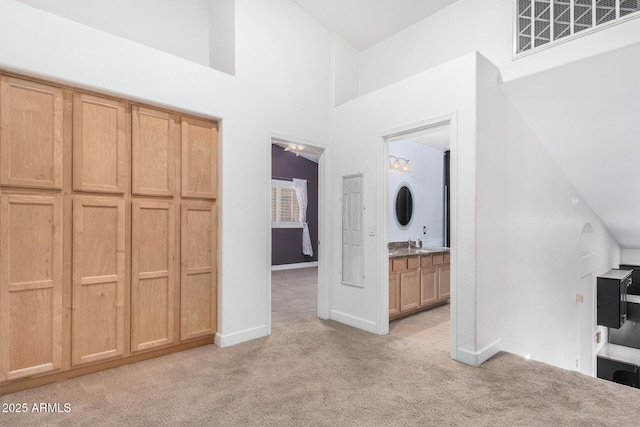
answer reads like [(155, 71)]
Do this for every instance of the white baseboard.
[(240, 337), (477, 358), (356, 322), (294, 266)]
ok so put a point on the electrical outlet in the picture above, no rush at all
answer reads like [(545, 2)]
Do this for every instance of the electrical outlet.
[(424, 229), (577, 363)]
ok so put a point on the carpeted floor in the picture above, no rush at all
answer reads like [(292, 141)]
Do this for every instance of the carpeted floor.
[(429, 328), (321, 373)]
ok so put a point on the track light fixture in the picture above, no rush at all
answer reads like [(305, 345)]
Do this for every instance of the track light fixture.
[(399, 163)]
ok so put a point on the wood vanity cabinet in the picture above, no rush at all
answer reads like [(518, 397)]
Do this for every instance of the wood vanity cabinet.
[(394, 292), (108, 232), (409, 290), (417, 282), (428, 286), (443, 282)]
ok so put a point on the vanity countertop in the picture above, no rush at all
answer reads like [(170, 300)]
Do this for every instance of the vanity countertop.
[(400, 252), (620, 353)]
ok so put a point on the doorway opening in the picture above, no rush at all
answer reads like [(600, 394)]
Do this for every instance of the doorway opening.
[(295, 286), (418, 182)]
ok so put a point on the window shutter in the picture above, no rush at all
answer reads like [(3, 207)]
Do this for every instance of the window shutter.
[(274, 203), (285, 212)]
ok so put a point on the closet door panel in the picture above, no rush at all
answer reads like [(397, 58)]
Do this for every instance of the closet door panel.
[(98, 279), (152, 296), (30, 285), (198, 264), (152, 152), (99, 144), (199, 158), (31, 123)]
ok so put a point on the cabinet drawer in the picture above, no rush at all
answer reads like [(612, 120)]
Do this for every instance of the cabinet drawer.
[(426, 261), (398, 264), (447, 258), (438, 259), (413, 262)]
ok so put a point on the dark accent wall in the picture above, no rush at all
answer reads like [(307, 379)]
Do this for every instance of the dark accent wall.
[(286, 243)]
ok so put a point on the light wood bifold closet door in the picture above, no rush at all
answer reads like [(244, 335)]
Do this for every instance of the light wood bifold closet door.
[(199, 158), (152, 149), (99, 144), (108, 232), (31, 123), (153, 273), (98, 279), (198, 309), (30, 285)]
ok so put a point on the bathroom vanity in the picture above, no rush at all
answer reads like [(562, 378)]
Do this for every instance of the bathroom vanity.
[(418, 280)]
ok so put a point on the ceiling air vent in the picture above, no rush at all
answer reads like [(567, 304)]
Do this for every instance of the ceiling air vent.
[(540, 22)]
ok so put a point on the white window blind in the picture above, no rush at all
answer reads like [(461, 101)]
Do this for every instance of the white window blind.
[(285, 212)]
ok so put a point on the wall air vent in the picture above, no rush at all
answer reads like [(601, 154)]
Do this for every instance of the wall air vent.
[(540, 22)]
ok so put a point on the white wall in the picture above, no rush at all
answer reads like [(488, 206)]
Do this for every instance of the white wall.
[(282, 85), (630, 256), (527, 259), (426, 180), (222, 35), (344, 70), (485, 26), (530, 219), (358, 128), (162, 24)]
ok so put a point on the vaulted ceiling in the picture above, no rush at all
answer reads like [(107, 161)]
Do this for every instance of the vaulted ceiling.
[(364, 23), (587, 114)]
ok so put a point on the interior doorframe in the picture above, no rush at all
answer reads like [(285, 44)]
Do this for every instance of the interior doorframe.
[(324, 229), (383, 194)]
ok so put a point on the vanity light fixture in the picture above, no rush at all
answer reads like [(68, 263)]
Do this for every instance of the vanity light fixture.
[(295, 148), (399, 163)]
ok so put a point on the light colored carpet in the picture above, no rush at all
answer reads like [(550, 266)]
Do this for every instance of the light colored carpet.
[(429, 328), (321, 373)]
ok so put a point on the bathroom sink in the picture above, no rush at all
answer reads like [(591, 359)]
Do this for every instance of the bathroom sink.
[(429, 250)]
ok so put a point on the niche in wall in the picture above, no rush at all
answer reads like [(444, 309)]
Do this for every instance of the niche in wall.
[(202, 31)]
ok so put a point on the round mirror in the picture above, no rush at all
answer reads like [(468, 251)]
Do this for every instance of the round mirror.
[(404, 205)]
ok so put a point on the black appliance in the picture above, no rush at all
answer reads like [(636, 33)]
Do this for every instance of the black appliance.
[(618, 371), (612, 298), (635, 278)]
